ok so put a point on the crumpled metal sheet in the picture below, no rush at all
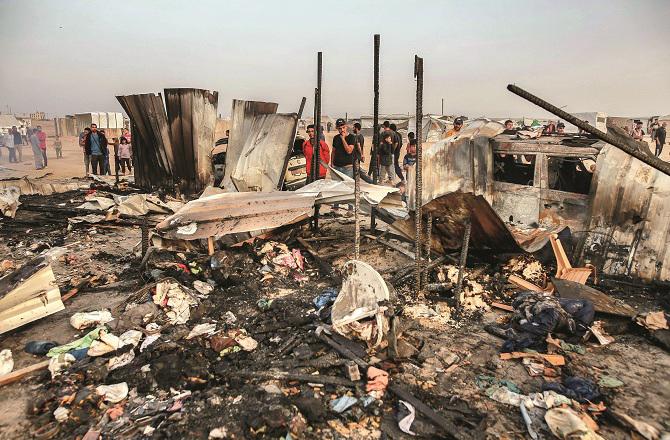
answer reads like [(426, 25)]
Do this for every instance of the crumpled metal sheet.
[(461, 162), (450, 213), (229, 213)]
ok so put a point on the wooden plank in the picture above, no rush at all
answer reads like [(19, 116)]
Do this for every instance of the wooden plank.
[(502, 306), (554, 359), (601, 302), (23, 372)]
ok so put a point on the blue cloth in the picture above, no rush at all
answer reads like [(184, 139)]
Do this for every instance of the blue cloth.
[(95, 144), (326, 298), (349, 171)]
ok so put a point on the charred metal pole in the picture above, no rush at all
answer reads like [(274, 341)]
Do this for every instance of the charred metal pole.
[(418, 73), (317, 130), (429, 237), (375, 127), (622, 144), (357, 204), (461, 265)]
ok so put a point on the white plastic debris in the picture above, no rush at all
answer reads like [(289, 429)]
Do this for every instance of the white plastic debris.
[(201, 329), (83, 320), (121, 360), (565, 423), (6, 362), (405, 424), (131, 337), (246, 342), (60, 363), (61, 414), (363, 288), (203, 287), (113, 393), (218, 433)]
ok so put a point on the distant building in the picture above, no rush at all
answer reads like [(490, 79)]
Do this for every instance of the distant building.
[(38, 115)]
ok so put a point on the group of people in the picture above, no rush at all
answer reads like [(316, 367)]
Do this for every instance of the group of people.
[(95, 148), (14, 140), (348, 148), (658, 134)]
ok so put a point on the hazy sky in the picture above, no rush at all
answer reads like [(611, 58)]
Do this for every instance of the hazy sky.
[(72, 56)]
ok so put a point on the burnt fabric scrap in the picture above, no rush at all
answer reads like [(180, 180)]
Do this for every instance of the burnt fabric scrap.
[(536, 316)]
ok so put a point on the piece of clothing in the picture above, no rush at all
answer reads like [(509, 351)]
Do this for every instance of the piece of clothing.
[(387, 172), (324, 156), (94, 139), (340, 157), (125, 151), (8, 140), (660, 135), (637, 134), (125, 162), (509, 131), (44, 157), (452, 132), (42, 136), (408, 160), (385, 154), (97, 163), (360, 139), (348, 171), (37, 152), (90, 142), (17, 137), (396, 160), (87, 163)]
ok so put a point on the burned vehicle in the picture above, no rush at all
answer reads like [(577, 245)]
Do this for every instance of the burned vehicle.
[(615, 207)]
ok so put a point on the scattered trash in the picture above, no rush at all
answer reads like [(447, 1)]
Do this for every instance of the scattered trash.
[(203, 287), (343, 403), (599, 332), (648, 431), (609, 382), (174, 297), (6, 362), (565, 423), (378, 380), (201, 329), (652, 320), (406, 415), (39, 348), (577, 388), (113, 393), (326, 298), (83, 320), (61, 414), (352, 371), (83, 342)]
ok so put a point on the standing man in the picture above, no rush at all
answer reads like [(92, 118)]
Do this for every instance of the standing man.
[(42, 136), (7, 140), (96, 146), (637, 133), (397, 146), (308, 152), (82, 144), (660, 138), (343, 149), (18, 141), (359, 152), (24, 134), (37, 151)]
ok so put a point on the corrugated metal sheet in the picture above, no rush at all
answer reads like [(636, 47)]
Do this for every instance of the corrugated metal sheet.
[(230, 213), (629, 229), (259, 142), (178, 152), (459, 163)]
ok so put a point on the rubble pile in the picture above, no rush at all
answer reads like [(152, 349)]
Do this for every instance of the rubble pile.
[(282, 336)]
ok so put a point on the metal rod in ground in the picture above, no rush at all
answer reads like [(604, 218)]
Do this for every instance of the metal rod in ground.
[(461, 264), (375, 126), (317, 129), (357, 203), (627, 145), (429, 227), (418, 73)]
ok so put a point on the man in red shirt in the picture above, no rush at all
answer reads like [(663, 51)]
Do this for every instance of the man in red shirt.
[(42, 136), (308, 152)]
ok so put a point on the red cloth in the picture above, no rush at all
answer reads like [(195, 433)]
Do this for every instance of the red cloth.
[(42, 136), (324, 156)]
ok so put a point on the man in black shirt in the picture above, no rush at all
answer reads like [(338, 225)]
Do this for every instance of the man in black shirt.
[(660, 138), (397, 146), (343, 149)]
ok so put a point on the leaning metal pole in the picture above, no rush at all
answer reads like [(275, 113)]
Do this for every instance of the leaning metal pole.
[(622, 144), (375, 128), (418, 198)]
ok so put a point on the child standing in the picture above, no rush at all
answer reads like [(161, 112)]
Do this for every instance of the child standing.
[(386, 158), (58, 146), (410, 157), (125, 153)]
